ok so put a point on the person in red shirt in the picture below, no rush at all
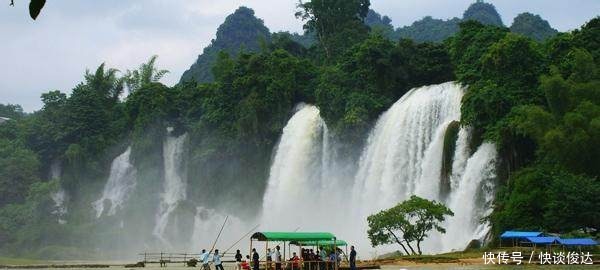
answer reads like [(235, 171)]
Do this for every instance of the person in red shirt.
[(245, 265), (295, 261)]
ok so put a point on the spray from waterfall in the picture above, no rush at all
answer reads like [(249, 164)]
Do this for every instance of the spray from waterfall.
[(402, 156), (471, 198), (121, 181), (295, 173), (174, 185)]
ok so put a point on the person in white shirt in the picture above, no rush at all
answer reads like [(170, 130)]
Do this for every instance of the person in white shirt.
[(277, 258), (204, 258), (217, 260)]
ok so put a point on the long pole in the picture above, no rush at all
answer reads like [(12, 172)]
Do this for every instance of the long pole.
[(236, 242), (218, 235)]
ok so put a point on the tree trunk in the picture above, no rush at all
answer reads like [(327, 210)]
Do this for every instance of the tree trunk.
[(399, 242), (419, 247), (409, 246)]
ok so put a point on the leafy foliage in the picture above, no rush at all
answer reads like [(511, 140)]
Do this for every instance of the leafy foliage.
[(144, 75), (372, 76), (429, 29), (337, 24), (12, 111), (409, 221)]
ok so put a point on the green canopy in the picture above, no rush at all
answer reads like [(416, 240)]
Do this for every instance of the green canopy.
[(293, 236), (324, 243)]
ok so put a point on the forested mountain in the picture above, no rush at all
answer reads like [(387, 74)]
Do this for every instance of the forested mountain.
[(240, 31), (538, 102), (437, 30), (484, 13), (532, 26), (429, 29)]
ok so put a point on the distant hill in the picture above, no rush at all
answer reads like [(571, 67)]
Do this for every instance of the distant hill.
[(484, 13), (241, 30), (532, 26), (429, 29)]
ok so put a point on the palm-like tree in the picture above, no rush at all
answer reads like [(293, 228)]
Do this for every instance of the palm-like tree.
[(105, 82), (147, 73)]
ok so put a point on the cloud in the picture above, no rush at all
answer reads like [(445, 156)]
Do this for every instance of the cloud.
[(72, 35)]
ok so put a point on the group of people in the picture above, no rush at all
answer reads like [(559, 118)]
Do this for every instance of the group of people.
[(322, 259), (216, 260)]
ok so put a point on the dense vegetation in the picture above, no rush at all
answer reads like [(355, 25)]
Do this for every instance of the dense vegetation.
[(538, 101)]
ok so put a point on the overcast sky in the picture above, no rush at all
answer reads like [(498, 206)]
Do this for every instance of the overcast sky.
[(53, 52)]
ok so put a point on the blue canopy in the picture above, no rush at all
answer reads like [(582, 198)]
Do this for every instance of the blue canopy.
[(577, 242), (543, 240), (519, 234)]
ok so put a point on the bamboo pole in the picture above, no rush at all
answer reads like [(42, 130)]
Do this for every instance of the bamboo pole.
[(241, 239), (218, 235)]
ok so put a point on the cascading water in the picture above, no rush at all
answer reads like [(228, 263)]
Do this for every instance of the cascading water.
[(471, 199), (295, 173), (402, 157), (60, 209), (406, 141), (121, 181), (174, 185)]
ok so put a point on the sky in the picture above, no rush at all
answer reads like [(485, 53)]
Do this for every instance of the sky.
[(70, 36)]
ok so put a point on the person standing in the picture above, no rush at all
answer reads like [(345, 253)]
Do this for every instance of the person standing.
[(255, 259), (238, 260), (204, 258), (277, 256), (352, 258), (323, 257), (217, 260), (295, 261), (269, 258)]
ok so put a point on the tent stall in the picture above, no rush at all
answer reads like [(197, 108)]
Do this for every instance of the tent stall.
[(516, 236), (299, 238)]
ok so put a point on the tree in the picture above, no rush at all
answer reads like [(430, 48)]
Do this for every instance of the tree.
[(18, 170), (147, 73), (407, 222), (12, 111), (337, 24)]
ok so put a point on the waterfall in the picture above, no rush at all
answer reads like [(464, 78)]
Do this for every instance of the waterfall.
[(174, 183), (308, 188), (471, 199), (208, 222), (60, 209), (403, 152), (295, 173), (121, 181)]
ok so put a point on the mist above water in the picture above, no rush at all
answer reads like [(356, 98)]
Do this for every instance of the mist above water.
[(402, 157), (311, 187)]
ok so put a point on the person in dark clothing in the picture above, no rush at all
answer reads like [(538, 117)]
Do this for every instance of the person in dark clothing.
[(352, 258), (255, 259), (238, 260)]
